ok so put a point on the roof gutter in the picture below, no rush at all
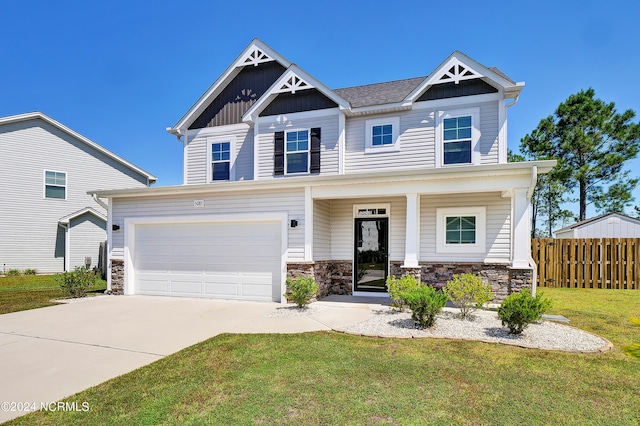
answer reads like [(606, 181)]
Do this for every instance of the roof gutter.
[(100, 202), (532, 262)]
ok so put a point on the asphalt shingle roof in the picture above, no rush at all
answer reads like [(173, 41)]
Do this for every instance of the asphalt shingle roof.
[(380, 93)]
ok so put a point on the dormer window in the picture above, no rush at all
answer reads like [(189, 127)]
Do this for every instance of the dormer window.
[(382, 135)]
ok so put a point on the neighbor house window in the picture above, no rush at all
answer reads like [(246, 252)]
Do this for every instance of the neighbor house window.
[(220, 160), (458, 136), (297, 151), (461, 230), (382, 134), (55, 184)]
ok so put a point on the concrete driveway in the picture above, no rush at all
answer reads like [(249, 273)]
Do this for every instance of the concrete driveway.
[(50, 353)]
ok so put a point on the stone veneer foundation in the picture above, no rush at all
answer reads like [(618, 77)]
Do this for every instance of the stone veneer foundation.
[(117, 276), (335, 276)]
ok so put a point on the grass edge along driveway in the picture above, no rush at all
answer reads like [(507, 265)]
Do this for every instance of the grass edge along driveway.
[(332, 378)]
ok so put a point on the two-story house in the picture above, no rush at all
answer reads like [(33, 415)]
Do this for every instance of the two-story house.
[(48, 222), (283, 175)]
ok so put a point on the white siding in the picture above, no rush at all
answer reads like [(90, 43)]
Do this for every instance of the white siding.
[(329, 140), (85, 235), (321, 230), (342, 224), (29, 233), (290, 201), (498, 224), (417, 140), (197, 155), (609, 227)]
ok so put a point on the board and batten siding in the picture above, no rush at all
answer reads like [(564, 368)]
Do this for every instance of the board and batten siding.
[(289, 201), (30, 236), (417, 140), (342, 226), (329, 140), (86, 232), (197, 157), (498, 225)]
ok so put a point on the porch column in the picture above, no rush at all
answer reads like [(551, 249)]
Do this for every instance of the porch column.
[(308, 224), (412, 234), (521, 229)]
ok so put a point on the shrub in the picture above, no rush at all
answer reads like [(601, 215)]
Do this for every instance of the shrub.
[(425, 303), (301, 290), (518, 310), (29, 271), (13, 272), (77, 282), (468, 292), (396, 287)]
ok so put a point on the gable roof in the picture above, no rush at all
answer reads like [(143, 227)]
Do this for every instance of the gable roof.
[(256, 52), (292, 80), (389, 92), (37, 115), (595, 219), (65, 220)]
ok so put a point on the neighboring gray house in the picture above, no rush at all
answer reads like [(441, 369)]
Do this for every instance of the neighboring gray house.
[(283, 175), (47, 219), (610, 225)]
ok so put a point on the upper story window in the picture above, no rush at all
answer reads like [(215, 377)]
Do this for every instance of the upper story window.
[(220, 160), (55, 185), (297, 151), (382, 134), (457, 137)]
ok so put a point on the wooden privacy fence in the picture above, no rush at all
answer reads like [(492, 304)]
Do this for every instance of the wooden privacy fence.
[(588, 262)]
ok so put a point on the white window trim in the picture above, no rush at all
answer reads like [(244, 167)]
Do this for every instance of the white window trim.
[(475, 135), (232, 157), (286, 163), (357, 207), (479, 212), (44, 184), (369, 148)]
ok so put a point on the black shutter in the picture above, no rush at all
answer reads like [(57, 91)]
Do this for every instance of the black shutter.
[(315, 150), (278, 163)]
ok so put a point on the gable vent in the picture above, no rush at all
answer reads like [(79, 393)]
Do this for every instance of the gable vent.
[(255, 57), (458, 72)]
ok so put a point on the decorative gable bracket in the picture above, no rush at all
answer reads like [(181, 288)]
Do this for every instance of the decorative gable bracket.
[(254, 57), (292, 84), (456, 72)]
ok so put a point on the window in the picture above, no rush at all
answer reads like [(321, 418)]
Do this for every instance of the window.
[(382, 135), (297, 149), (458, 136), (461, 230), (220, 160), (55, 185), (457, 140)]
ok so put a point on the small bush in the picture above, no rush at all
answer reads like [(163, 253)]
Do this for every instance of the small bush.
[(77, 282), (396, 287), (518, 310), (13, 272), (30, 271), (425, 303), (301, 290), (468, 292)]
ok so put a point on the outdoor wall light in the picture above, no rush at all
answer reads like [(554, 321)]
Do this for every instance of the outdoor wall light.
[(115, 227), (294, 223)]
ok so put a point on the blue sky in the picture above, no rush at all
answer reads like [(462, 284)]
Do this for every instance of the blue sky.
[(121, 72)]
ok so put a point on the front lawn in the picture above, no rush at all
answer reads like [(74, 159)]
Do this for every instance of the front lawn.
[(331, 378), (33, 291)]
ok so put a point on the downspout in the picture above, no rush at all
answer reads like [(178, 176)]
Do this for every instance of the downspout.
[(510, 104), (100, 202), (534, 180)]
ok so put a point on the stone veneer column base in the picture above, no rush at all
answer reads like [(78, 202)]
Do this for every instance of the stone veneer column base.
[(332, 276), (117, 277)]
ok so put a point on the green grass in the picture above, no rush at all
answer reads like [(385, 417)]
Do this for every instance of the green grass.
[(20, 293), (330, 378)]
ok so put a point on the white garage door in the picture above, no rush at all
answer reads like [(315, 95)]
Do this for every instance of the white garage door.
[(231, 260)]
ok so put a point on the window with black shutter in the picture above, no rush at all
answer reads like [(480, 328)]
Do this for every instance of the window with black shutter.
[(315, 150)]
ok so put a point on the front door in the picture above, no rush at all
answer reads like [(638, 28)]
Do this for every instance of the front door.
[(371, 254)]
